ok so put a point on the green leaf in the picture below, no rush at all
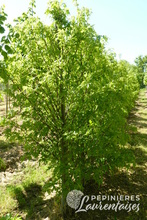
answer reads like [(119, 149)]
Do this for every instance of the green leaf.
[(3, 39), (2, 18), (8, 49), (4, 54), (17, 35), (2, 30)]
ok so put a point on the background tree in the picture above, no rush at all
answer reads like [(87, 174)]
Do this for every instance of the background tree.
[(141, 63), (5, 50), (3, 17), (145, 79)]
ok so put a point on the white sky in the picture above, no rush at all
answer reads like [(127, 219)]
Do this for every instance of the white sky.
[(122, 21)]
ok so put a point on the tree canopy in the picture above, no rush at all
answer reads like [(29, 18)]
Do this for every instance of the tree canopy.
[(141, 64), (70, 97)]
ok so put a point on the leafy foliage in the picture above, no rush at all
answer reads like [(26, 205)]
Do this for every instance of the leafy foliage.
[(4, 48), (70, 97), (9, 217), (141, 64), (145, 79)]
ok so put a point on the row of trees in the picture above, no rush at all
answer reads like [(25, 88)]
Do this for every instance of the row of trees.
[(70, 97), (141, 64)]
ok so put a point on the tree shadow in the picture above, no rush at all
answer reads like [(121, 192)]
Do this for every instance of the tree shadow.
[(140, 119), (121, 183), (143, 101), (116, 185), (144, 114), (130, 182), (11, 153), (141, 139), (31, 201)]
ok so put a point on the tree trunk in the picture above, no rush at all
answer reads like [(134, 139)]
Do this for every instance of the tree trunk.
[(63, 152), (7, 87)]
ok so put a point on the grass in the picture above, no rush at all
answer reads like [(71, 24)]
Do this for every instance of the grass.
[(7, 201), (25, 191), (9, 217), (22, 188), (2, 164)]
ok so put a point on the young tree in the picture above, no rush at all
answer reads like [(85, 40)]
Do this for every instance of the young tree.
[(5, 50), (3, 18), (145, 79), (73, 97), (141, 64)]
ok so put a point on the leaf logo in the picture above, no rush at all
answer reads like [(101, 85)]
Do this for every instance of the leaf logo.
[(73, 198)]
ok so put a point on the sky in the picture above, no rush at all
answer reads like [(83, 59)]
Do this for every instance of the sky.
[(122, 21)]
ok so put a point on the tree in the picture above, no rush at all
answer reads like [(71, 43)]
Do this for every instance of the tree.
[(141, 63), (70, 97), (3, 17), (5, 50), (145, 79)]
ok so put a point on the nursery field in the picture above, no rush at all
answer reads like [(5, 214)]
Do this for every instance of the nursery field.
[(24, 184), (73, 120)]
